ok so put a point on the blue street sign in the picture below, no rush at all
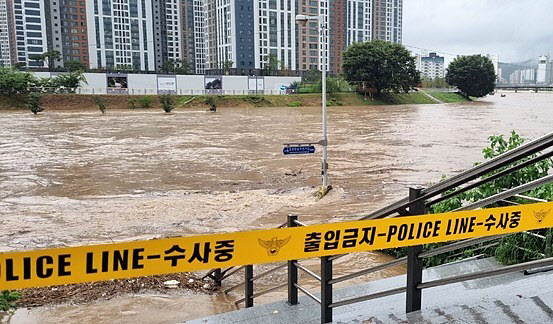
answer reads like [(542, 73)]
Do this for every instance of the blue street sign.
[(299, 149)]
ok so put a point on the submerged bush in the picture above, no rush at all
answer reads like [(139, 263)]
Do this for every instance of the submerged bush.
[(210, 101), (34, 102), (101, 104), (167, 102)]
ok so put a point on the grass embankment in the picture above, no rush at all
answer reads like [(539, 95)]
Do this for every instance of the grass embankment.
[(74, 101), (448, 97)]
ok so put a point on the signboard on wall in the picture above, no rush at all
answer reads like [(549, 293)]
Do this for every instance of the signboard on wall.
[(255, 83), (166, 83)]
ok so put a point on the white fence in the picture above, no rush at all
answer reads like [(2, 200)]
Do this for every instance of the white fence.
[(138, 92)]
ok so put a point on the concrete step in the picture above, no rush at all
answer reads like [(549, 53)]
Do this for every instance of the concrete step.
[(511, 298)]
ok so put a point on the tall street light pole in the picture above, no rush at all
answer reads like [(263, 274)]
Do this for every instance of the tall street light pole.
[(323, 41)]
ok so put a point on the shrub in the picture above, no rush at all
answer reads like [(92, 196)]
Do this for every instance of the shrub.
[(167, 102), (34, 102), (210, 101), (258, 101), (295, 104), (132, 103), (101, 104), (8, 300), (145, 101)]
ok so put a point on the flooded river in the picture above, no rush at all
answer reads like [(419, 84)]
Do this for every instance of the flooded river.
[(76, 177)]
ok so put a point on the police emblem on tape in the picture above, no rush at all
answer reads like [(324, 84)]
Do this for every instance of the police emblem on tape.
[(273, 246), (541, 215)]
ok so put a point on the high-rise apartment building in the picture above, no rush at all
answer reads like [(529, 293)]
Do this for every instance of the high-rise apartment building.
[(208, 35), (67, 30), (121, 34), (433, 66), (30, 30), (7, 42), (167, 31), (387, 20), (275, 32), (349, 21)]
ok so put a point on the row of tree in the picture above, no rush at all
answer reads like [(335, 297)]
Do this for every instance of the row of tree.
[(379, 66), (13, 81)]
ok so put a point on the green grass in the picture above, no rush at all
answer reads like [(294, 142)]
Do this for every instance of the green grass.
[(448, 97)]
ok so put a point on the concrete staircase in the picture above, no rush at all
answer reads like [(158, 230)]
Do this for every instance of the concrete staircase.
[(512, 298)]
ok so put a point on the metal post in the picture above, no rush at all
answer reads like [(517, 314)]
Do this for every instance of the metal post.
[(326, 289), (248, 286), (323, 45), (292, 270), (217, 275), (414, 263)]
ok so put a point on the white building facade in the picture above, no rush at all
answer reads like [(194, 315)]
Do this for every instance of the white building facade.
[(433, 66), (30, 30), (121, 34), (5, 34), (545, 70)]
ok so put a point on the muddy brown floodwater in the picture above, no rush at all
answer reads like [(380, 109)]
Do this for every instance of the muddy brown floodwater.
[(76, 177)]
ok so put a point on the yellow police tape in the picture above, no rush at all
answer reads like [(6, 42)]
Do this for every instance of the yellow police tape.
[(142, 258)]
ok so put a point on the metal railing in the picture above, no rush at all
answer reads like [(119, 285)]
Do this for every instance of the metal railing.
[(417, 203)]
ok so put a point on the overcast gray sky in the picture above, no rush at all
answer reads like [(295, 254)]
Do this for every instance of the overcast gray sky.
[(517, 30)]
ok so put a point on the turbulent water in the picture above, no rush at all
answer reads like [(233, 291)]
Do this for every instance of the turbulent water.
[(76, 177)]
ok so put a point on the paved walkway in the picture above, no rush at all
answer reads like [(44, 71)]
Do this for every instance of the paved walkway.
[(512, 298), (429, 96)]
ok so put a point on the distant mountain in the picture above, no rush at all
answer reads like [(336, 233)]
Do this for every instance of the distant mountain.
[(508, 68)]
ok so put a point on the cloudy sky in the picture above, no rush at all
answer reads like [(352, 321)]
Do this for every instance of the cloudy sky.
[(517, 30)]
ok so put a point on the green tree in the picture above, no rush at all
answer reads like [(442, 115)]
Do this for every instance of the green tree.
[(168, 66), (473, 75), (182, 67), (15, 82), (384, 66), (74, 66), (69, 81), (311, 76), (227, 65), (39, 59), (34, 102), (51, 57), (271, 66)]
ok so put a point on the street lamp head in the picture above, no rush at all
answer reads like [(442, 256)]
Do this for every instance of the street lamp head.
[(301, 20)]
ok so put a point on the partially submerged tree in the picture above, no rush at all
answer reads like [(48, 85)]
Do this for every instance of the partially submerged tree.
[(473, 75), (210, 101), (34, 102), (167, 102), (384, 66), (101, 104)]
